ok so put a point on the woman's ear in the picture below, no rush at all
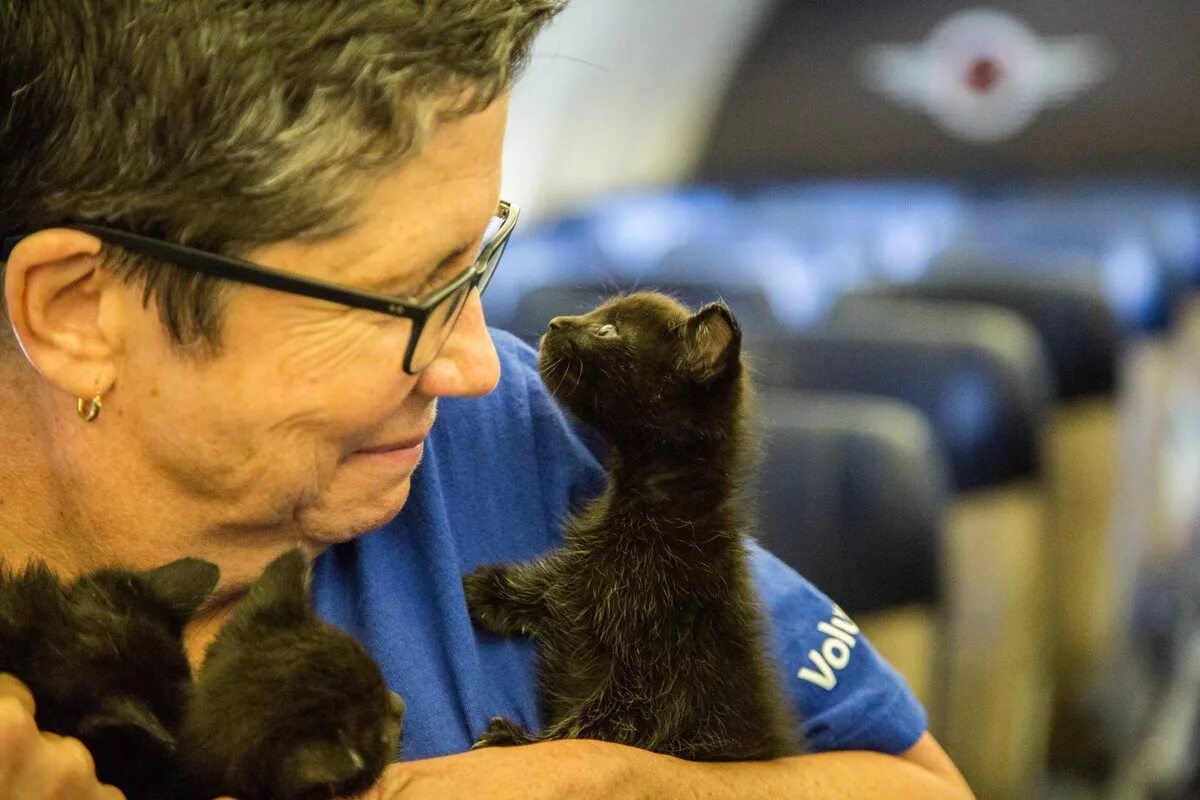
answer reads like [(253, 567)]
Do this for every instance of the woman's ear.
[(56, 297)]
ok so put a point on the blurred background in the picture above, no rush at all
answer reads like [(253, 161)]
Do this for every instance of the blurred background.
[(964, 245)]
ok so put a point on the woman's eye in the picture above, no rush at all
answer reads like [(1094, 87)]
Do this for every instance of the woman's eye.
[(605, 331)]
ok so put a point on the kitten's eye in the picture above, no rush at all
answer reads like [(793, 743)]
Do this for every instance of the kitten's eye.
[(606, 331)]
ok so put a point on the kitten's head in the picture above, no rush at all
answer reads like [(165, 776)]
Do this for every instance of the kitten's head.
[(131, 637), (280, 687), (642, 367), (105, 656)]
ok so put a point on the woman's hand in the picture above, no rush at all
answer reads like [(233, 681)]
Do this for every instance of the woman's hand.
[(41, 766), (578, 769)]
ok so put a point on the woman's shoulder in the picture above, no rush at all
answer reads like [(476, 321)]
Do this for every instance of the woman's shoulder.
[(847, 695)]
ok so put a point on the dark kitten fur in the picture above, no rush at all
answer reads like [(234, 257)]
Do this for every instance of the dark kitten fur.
[(286, 707), (104, 658), (651, 633)]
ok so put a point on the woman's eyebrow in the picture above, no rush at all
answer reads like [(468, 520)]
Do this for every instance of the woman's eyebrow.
[(395, 286)]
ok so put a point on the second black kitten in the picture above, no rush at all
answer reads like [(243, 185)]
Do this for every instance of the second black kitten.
[(285, 706), (650, 631), (104, 658)]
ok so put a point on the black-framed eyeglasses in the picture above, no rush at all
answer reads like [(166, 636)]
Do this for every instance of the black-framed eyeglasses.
[(433, 317)]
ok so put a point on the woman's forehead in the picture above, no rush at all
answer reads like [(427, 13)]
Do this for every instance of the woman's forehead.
[(413, 218)]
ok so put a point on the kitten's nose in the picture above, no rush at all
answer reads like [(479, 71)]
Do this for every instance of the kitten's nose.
[(559, 322)]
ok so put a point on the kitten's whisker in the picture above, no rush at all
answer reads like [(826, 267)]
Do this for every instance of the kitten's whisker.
[(567, 372), (562, 362), (551, 367)]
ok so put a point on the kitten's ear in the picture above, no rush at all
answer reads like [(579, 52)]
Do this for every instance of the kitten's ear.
[(281, 592), (184, 584), (713, 341), (124, 718)]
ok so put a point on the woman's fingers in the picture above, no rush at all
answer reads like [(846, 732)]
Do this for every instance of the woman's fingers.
[(35, 765), (12, 688)]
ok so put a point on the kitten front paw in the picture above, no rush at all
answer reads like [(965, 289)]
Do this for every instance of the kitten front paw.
[(502, 732), (486, 590)]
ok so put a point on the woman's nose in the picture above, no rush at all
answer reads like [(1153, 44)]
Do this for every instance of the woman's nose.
[(467, 365)]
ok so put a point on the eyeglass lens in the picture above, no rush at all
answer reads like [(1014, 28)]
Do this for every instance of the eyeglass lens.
[(444, 316), (438, 326)]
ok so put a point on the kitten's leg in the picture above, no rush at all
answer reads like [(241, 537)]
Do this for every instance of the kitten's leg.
[(599, 718), (503, 732), (609, 714), (508, 599)]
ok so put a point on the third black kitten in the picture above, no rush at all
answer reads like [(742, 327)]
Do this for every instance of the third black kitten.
[(650, 631), (285, 706), (104, 658)]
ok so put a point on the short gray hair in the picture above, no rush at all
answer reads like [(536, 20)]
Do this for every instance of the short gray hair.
[(229, 124)]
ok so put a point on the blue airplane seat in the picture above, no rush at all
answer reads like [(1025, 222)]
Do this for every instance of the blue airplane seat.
[(894, 227), (853, 492), (1134, 284), (979, 375), (1166, 216), (1121, 249), (1076, 325)]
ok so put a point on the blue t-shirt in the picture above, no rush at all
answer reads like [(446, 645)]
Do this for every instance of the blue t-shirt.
[(498, 476)]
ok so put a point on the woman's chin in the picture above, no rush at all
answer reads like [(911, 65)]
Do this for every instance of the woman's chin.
[(338, 520)]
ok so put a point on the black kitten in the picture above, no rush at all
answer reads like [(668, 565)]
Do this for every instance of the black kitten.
[(104, 659), (285, 706), (651, 633)]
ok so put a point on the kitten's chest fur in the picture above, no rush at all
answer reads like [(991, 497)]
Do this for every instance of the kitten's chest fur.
[(652, 625), (633, 569)]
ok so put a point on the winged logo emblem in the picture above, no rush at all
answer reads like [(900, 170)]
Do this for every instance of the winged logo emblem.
[(985, 75)]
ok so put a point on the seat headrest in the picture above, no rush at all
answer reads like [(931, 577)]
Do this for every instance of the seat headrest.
[(852, 494)]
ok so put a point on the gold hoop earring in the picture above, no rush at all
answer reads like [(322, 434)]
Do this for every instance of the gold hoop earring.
[(89, 409)]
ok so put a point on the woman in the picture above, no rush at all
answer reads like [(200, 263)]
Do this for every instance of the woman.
[(161, 400)]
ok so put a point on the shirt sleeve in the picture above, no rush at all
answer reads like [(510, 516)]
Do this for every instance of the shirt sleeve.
[(846, 696)]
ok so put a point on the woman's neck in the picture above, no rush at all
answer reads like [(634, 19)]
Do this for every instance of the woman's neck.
[(37, 521), (203, 628)]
